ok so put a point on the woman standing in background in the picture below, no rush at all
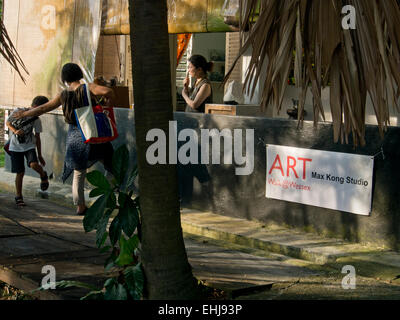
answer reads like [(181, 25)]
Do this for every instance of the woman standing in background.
[(197, 97)]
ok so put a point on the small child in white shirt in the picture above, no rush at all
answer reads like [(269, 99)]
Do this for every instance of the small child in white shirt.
[(23, 144)]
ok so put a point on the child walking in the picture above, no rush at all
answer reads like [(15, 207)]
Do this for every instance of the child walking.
[(24, 140)]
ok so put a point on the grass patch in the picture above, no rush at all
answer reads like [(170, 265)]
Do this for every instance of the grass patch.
[(2, 152), (2, 156)]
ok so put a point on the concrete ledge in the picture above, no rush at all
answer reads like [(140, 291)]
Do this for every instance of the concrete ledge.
[(291, 251), (277, 239), (370, 260)]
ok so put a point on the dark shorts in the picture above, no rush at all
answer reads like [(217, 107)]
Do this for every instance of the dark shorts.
[(17, 160)]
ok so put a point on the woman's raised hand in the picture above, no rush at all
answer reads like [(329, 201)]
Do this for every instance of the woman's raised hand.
[(18, 114), (186, 82)]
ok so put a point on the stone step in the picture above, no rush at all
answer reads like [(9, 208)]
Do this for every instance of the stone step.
[(370, 260), (281, 240)]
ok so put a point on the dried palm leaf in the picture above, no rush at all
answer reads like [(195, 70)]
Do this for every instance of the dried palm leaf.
[(354, 63), (8, 51)]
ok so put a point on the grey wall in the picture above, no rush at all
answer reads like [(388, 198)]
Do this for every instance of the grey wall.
[(217, 188), (244, 196)]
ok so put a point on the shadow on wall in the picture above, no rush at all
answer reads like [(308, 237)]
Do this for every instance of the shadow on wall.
[(217, 188), (244, 196), (187, 173)]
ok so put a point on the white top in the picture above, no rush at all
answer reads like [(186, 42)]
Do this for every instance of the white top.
[(30, 141)]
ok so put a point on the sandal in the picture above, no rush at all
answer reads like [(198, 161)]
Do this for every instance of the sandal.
[(44, 184), (19, 201)]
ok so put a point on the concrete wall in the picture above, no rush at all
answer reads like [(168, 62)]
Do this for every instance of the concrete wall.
[(217, 188), (293, 93), (244, 196)]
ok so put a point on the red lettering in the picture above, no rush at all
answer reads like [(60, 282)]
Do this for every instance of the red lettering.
[(291, 166), (304, 165), (277, 159)]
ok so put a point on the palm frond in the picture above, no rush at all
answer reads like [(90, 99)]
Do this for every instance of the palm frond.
[(354, 63), (8, 51)]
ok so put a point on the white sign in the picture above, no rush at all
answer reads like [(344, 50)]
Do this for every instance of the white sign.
[(338, 181)]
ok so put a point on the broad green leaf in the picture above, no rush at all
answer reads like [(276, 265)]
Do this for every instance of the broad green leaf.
[(119, 293), (115, 291), (127, 249), (115, 230), (101, 239), (110, 282), (109, 263), (101, 228), (129, 217), (122, 198), (94, 213), (133, 243), (130, 183), (126, 254), (120, 163), (98, 179), (96, 192), (112, 201), (105, 249), (134, 279)]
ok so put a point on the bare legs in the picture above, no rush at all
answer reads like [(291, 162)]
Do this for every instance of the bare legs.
[(78, 195), (78, 184), (38, 168), (20, 177), (18, 183)]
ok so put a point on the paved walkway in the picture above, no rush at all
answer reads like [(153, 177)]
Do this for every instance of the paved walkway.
[(45, 233), (245, 258)]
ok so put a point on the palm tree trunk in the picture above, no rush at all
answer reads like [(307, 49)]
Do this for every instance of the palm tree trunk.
[(168, 273)]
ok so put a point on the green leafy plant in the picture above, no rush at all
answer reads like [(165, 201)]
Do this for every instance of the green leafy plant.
[(115, 203), (2, 156)]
